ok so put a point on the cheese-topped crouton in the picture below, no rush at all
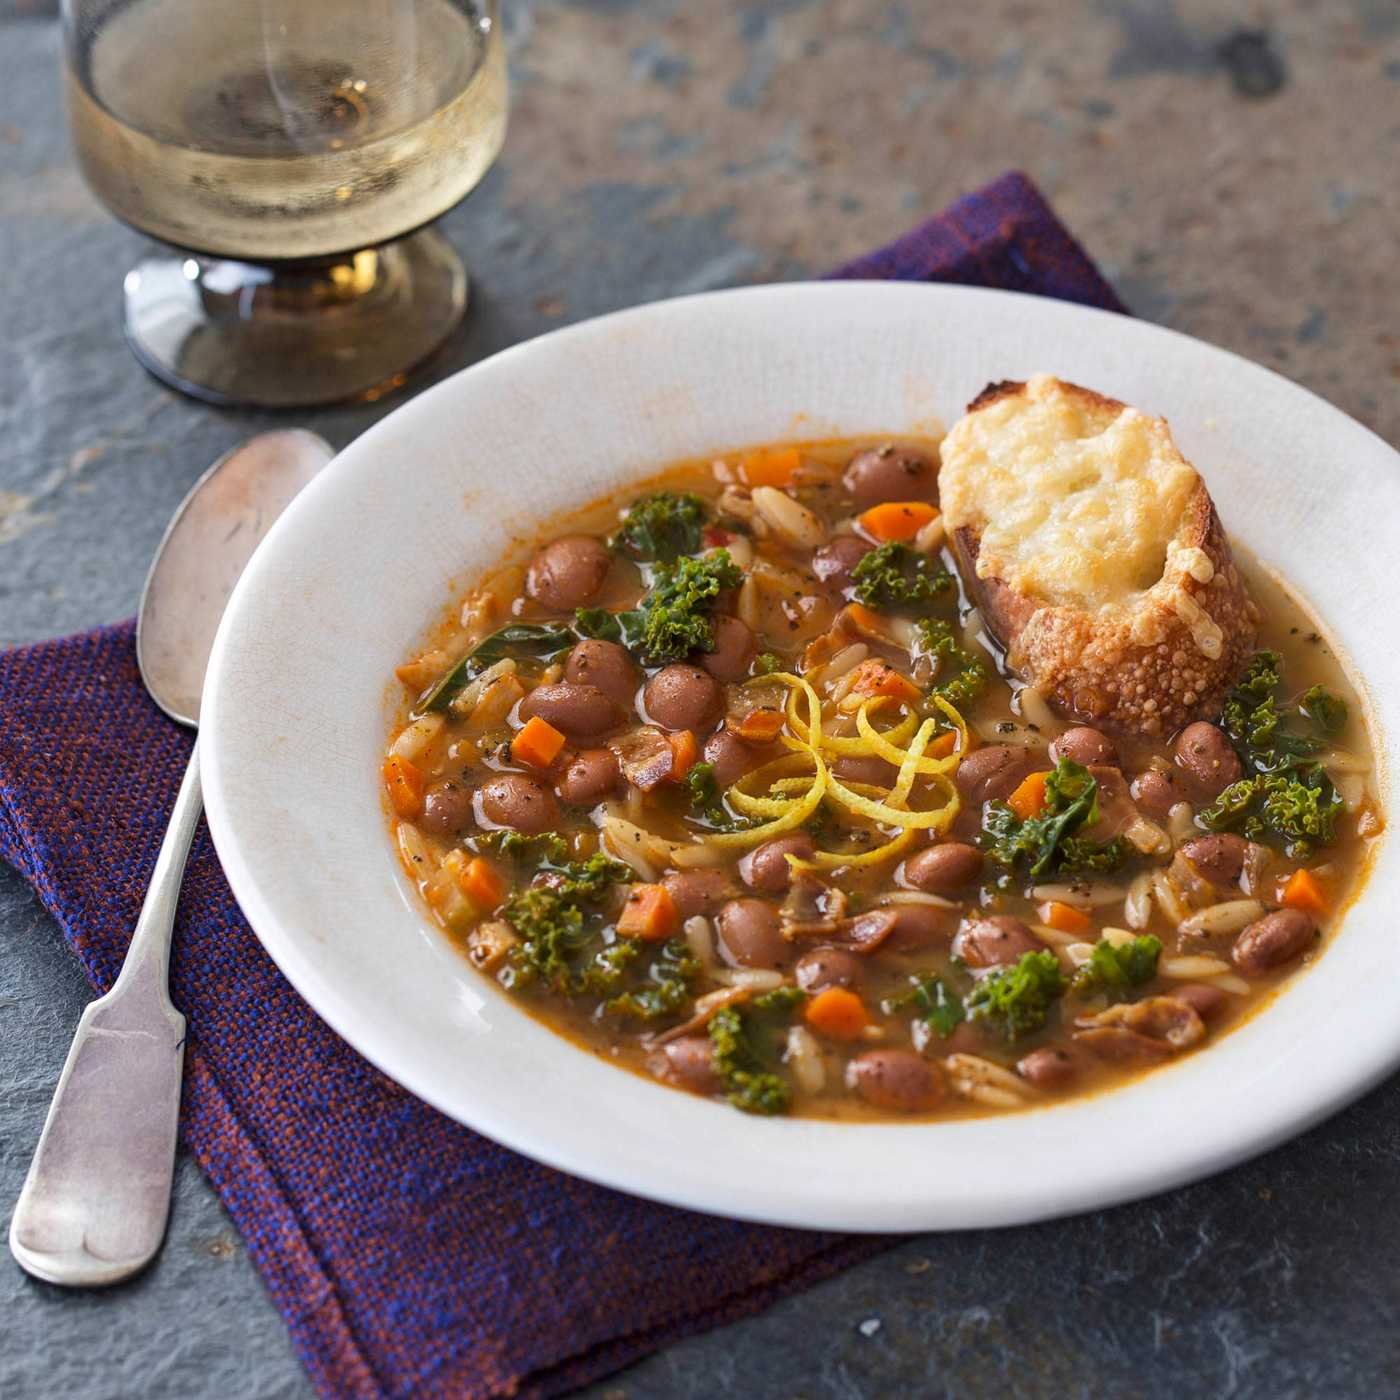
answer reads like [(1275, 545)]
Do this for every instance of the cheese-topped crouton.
[(1093, 549)]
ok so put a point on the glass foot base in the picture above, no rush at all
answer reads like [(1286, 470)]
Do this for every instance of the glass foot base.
[(295, 335)]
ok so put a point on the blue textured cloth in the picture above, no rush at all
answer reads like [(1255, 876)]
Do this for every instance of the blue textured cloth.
[(408, 1255)]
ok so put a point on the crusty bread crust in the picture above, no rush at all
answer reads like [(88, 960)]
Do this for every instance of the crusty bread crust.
[(1147, 669)]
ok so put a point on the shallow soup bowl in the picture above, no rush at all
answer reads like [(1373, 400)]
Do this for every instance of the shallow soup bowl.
[(300, 695)]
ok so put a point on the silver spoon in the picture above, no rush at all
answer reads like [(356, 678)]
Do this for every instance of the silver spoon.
[(94, 1205)]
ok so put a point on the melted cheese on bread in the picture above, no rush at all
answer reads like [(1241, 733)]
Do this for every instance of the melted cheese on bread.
[(1075, 499)]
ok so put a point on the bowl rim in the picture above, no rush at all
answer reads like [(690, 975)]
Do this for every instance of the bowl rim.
[(821, 1202)]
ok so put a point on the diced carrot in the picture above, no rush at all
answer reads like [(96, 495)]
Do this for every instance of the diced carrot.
[(943, 745), (837, 1013), (856, 620), (874, 677), (482, 884), (1065, 917), (897, 520), (650, 913), (537, 744), (770, 466), (1304, 891), (761, 726), (405, 783), (1029, 799), (684, 752)]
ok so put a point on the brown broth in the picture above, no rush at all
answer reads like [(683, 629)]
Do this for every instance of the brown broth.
[(1288, 629)]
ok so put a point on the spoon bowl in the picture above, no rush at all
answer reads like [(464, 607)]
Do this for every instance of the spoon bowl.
[(210, 538)]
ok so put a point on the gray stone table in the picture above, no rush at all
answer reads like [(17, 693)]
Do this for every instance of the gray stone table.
[(1234, 168)]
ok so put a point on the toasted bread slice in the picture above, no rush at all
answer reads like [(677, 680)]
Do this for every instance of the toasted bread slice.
[(1094, 552)]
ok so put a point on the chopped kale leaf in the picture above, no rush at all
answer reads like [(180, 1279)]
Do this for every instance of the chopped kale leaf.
[(746, 1051), (1297, 809), (1016, 1000), (518, 639), (1326, 711), (962, 676), (1050, 842), (1114, 967), (895, 576), (665, 987), (934, 1003), (661, 527)]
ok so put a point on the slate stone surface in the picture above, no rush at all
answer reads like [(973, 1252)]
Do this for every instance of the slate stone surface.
[(1234, 174)]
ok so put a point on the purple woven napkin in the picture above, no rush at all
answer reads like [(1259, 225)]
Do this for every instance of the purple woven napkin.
[(407, 1255)]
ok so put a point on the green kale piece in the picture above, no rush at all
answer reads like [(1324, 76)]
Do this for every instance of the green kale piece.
[(598, 622), (1079, 856), (666, 985), (517, 639), (934, 1003), (1325, 710), (707, 804), (767, 662), (746, 1051), (556, 919), (1296, 809), (962, 676), (701, 789), (895, 576), (1049, 841), (675, 616), (1251, 718), (546, 848), (662, 527), (1114, 967), (1017, 1000)]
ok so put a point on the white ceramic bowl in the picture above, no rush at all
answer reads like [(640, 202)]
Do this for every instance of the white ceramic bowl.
[(296, 705)]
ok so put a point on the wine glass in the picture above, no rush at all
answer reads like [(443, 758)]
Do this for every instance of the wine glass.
[(293, 147)]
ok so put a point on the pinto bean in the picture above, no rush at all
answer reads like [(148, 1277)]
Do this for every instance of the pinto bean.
[(1218, 858), (730, 756), (581, 712), (765, 869), (996, 941), (835, 561), (1085, 746), (567, 572), (605, 665), (589, 777), (944, 868), (890, 473), (447, 809), (897, 1080), (1275, 939), (994, 771), (917, 926), (1156, 793), (862, 769), (1048, 1067), (682, 697), (749, 935), (1207, 757), (828, 967), (733, 653), (686, 1063), (1206, 1001), (513, 800), (696, 891)]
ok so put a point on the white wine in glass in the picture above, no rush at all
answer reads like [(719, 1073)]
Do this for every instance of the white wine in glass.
[(290, 145)]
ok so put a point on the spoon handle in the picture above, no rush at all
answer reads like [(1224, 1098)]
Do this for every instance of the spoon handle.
[(93, 1208)]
